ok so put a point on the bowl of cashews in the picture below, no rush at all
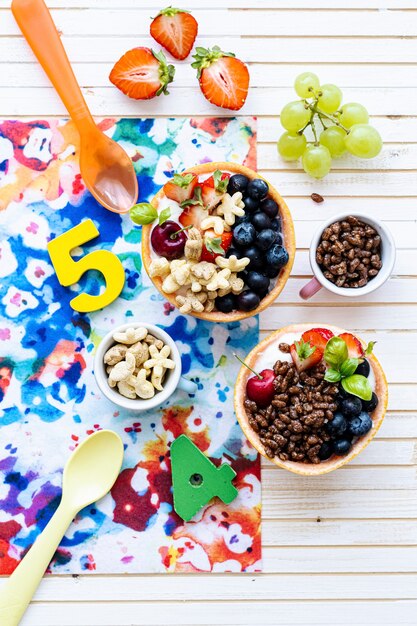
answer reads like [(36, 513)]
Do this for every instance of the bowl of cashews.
[(138, 367)]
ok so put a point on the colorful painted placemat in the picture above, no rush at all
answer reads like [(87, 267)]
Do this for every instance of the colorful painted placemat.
[(48, 396)]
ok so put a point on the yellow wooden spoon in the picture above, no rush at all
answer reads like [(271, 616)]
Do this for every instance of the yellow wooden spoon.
[(89, 474)]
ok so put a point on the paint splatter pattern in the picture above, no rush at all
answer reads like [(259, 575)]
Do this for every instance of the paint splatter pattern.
[(49, 400)]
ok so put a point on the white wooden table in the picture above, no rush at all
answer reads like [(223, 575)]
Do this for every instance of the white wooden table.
[(339, 549)]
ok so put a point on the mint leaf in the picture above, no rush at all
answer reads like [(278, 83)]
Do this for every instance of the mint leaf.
[(182, 180), (143, 213), (219, 184), (358, 385), (348, 367), (164, 215), (304, 349), (332, 376), (196, 199), (214, 245), (335, 352), (370, 347)]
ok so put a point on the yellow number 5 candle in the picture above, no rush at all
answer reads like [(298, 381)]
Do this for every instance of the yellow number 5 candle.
[(69, 271)]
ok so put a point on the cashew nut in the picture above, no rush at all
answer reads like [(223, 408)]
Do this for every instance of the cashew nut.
[(144, 389), (130, 335), (215, 222), (115, 354), (140, 351), (122, 370)]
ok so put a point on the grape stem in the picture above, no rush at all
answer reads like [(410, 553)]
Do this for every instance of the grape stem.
[(313, 128), (333, 119)]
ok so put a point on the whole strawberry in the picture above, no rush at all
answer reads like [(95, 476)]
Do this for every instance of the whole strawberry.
[(224, 79), (142, 74), (175, 30)]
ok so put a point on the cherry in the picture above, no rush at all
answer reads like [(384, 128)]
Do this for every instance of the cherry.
[(260, 388), (168, 240)]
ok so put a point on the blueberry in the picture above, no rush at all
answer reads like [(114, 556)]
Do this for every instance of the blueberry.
[(261, 221), (326, 450), (244, 235), (239, 219), (226, 304), (337, 426), (269, 207), (342, 446), (237, 182), (257, 282), (271, 271), (360, 425), (266, 238), (276, 224), (232, 251), (247, 301), (251, 204), (363, 368), (257, 189), (370, 405), (255, 256), (350, 407), (277, 256)]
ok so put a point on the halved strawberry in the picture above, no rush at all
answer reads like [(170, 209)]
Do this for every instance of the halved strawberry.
[(224, 79), (175, 30), (215, 245), (214, 188), (142, 74), (304, 355), (181, 187), (354, 346), (317, 337)]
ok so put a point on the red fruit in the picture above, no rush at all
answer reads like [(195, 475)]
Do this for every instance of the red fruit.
[(213, 244), (354, 346), (181, 187), (317, 337), (304, 355), (224, 79), (141, 74), (214, 189), (175, 30), (261, 390), (168, 240)]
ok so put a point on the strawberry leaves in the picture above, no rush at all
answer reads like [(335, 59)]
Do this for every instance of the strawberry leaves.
[(213, 245), (304, 349), (195, 200)]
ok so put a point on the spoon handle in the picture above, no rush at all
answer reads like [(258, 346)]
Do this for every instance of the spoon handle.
[(38, 28), (19, 588)]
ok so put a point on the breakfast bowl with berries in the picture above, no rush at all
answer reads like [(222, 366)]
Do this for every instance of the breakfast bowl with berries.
[(217, 241), (311, 398)]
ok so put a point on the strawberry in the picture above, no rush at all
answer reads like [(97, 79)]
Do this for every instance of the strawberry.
[(224, 79), (304, 355), (317, 337), (354, 346), (181, 187), (214, 189), (142, 74), (193, 209), (175, 30), (214, 245)]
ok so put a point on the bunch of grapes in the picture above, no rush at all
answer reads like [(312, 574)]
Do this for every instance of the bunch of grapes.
[(333, 128)]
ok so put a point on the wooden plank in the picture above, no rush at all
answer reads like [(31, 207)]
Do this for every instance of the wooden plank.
[(386, 208), (236, 4), (360, 613)]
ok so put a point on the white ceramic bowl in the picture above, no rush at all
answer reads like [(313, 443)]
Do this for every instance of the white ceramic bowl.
[(387, 257), (172, 380)]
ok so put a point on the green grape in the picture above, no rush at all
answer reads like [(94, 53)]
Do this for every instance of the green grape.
[(330, 98), (291, 146), (353, 113), (334, 139), (317, 161), (294, 116), (306, 84), (363, 141)]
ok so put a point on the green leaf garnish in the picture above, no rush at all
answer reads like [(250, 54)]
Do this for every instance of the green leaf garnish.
[(214, 245), (304, 349), (332, 376), (370, 347), (182, 180), (219, 184), (358, 385), (143, 213), (348, 367), (335, 352), (164, 215), (195, 200)]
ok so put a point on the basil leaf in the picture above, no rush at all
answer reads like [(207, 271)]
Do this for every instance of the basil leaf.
[(143, 213), (219, 184), (335, 352), (370, 347), (357, 385), (348, 367), (164, 215), (332, 376)]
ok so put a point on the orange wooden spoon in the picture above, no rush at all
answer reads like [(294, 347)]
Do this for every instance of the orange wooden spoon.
[(105, 167)]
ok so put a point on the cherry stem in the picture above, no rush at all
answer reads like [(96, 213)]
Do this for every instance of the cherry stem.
[(248, 366), (177, 232)]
